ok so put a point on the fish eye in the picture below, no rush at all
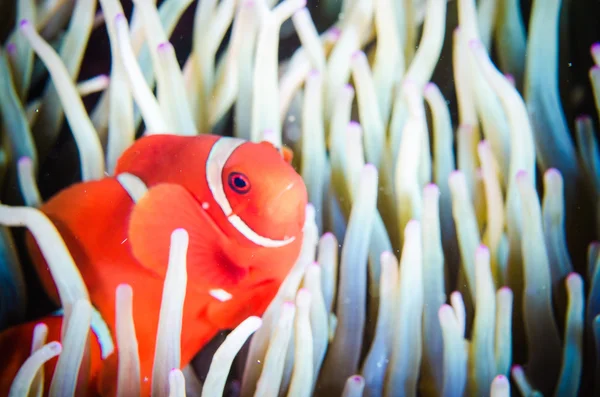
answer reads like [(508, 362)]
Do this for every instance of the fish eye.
[(239, 182)]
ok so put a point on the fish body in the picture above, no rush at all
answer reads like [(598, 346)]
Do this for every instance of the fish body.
[(243, 207)]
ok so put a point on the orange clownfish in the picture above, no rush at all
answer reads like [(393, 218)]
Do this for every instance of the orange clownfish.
[(243, 207)]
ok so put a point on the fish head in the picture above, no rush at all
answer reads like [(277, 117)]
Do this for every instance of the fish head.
[(259, 191)]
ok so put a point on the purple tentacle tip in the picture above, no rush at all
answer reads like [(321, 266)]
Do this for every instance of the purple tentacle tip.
[(429, 87), (24, 160), (582, 118), (164, 46), (553, 172), (431, 188), (455, 174), (483, 144), (24, 23), (573, 276), (411, 226), (482, 248), (328, 235), (505, 290), (335, 32), (595, 47), (11, 48), (119, 17), (521, 174)]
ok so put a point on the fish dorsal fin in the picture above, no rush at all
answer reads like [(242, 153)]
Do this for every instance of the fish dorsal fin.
[(166, 207)]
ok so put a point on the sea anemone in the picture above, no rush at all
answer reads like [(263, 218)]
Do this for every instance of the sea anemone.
[(468, 264)]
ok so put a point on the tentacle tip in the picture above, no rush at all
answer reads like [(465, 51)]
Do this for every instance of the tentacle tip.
[(484, 144), (119, 17), (582, 118), (11, 48), (369, 173), (574, 278), (445, 309), (522, 175), (180, 231), (348, 88), (510, 78), (595, 69), (55, 347), (124, 287), (501, 381), (357, 379), (431, 188), (429, 87), (334, 32), (25, 23), (412, 226), (303, 291), (24, 161), (164, 46), (386, 255), (328, 235), (505, 290), (552, 173), (482, 249), (370, 168), (595, 47), (289, 305), (455, 174), (254, 322), (310, 211)]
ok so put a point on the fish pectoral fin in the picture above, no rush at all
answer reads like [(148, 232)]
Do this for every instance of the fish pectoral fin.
[(166, 207)]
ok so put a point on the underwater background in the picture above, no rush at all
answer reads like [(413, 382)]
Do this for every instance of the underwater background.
[(468, 263)]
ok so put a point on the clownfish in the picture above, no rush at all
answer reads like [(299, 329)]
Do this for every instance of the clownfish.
[(243, 206)]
